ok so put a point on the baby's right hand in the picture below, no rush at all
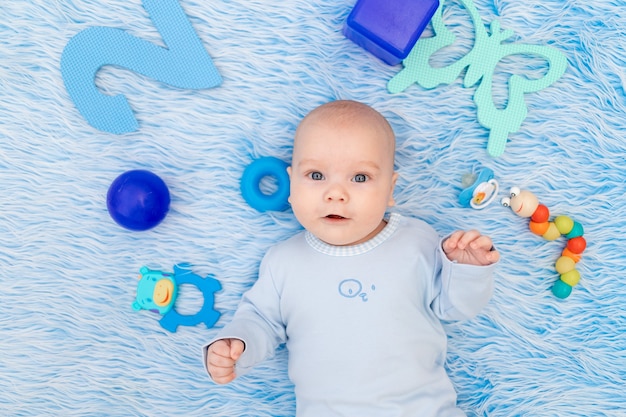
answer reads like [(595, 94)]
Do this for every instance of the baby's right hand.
[(221, 358)]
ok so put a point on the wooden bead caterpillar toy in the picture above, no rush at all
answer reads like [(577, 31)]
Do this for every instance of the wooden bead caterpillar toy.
[(525, 204)]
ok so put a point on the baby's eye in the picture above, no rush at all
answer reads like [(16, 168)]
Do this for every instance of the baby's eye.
[(316, 176), (360, 178)]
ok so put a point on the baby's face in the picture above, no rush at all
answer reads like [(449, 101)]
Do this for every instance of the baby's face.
[(342, 179)]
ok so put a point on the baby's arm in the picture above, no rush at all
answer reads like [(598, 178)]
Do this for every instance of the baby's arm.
[(221, 358), (470, 248), (253, 334), (464, 283)]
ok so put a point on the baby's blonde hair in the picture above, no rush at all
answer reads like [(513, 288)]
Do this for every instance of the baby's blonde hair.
[(349, 111)]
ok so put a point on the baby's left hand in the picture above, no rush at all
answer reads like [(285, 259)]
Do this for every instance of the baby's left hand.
[(470, 248)]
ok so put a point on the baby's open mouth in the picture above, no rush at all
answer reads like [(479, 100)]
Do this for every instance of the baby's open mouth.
[(334, 217)]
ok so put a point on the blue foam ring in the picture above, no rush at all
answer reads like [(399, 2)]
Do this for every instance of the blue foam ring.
[(253, 174), (465, 197), (207, 314)]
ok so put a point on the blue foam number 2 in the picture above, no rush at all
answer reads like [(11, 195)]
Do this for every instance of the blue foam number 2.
[(183, 64)]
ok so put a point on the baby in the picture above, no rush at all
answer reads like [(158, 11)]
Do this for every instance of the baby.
[(359, 294)]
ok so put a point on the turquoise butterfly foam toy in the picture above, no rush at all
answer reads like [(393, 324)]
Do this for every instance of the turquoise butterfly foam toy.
[(480, 62)]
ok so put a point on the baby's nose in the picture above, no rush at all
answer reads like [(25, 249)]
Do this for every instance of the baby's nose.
[(336, 193)]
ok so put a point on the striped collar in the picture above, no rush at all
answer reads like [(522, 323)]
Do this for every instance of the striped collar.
[(333, 250)]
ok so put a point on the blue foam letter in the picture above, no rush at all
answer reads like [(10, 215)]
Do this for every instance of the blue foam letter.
[(184, 64)]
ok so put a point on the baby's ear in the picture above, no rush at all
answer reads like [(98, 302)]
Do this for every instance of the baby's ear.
[(289, 171), (391, 201)]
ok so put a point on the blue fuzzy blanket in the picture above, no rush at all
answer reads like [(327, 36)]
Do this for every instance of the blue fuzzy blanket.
[(70, 343)]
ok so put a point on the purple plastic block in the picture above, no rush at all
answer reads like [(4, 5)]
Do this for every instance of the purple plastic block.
[(389, 28)]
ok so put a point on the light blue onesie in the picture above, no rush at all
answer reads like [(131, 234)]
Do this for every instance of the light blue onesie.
[(361, 323)]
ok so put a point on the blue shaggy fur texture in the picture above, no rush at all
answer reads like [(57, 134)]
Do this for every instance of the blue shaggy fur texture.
[(70, 343)]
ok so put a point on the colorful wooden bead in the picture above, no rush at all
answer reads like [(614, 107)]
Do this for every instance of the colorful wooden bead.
[(538, 228), (571, 278), (541, 214), (575, 256), (577, 230), (564, 264), (552, 233), (561, 290), (564, 224), (577, 244)]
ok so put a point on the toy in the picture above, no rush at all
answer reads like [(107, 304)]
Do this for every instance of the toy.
[(525, 204), (157, 292), (478, 67), (388, 28), (253, 174), (184, 63), (138, 200), (479, 191)]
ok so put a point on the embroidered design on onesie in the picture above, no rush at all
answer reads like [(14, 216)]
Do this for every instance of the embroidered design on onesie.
[(352, 288)]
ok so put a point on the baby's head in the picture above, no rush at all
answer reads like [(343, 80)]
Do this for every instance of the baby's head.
[(342, 172)]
